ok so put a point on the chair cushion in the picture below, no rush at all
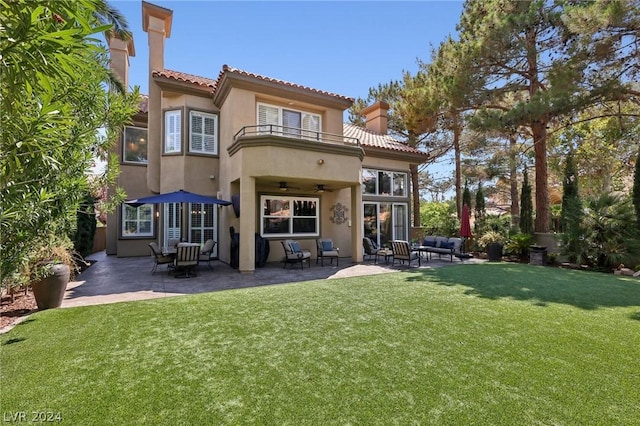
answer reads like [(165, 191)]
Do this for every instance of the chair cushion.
[(327, 246), (429, 243), (447, 244), (295, 247)]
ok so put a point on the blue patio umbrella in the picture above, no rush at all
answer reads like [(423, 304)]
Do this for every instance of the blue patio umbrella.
[(180, 196)]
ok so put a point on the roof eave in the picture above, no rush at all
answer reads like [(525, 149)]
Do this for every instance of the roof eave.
[(230, 79), (390, 154), (167, 83)]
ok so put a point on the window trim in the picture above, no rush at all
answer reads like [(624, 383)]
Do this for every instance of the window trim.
[(204, 114), (291, 199), (137, 235), (165, 133), (392, 175), (124, 146)]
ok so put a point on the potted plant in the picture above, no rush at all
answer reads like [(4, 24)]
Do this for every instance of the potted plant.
[(493, 242), (51, 265)]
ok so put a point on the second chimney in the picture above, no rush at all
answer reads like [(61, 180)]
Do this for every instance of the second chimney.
[(376, 117)]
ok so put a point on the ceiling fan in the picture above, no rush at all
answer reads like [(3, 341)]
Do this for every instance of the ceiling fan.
[(282, 186), (320, 188)]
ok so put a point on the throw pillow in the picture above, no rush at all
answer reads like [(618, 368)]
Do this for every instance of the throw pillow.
[(447, 245), (429, 243), (327, 246), (295, 247)]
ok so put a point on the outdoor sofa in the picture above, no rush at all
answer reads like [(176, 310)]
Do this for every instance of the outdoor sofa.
[(441, 246)]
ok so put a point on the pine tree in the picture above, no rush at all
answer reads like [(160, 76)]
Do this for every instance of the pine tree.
[(526, 206)]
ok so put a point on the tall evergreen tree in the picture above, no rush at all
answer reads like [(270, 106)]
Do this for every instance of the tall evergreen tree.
[(571, 219), (466, 194), (526, 206), (636, 191), (480, 210)]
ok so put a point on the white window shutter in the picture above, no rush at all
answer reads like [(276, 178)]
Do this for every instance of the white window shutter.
[(311, 123), (173, 131), (267, 115), (209, 143)]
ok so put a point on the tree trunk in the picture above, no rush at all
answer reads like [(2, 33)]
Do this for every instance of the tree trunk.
[(456, 150), (513, 182), (543, 210)]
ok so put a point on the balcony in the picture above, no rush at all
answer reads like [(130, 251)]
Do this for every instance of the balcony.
[(296, 133)]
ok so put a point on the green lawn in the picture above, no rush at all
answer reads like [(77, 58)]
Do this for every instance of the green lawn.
[(473, 344)]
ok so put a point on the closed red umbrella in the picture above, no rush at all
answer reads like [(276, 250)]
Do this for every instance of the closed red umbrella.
[(465, 225)]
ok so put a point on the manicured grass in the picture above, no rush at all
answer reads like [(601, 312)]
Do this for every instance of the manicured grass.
[(472, 344)]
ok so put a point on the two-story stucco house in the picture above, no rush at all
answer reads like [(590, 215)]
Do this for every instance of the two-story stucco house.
[(280, 150)]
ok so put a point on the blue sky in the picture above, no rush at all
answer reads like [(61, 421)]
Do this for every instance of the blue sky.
[(340, 47)]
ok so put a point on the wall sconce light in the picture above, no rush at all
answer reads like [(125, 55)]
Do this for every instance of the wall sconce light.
[(212, 177), (320, 162)]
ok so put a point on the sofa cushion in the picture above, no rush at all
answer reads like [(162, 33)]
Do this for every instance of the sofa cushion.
[(447, 244), (429, 243)]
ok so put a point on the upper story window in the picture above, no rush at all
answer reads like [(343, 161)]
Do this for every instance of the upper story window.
[(172, 131), (384, 183), (135, 145), (289, 122), (137, 221), (203, 132), (289, 216)]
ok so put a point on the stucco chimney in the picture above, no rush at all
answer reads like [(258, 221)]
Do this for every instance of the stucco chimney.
[(376, 117), (119, 53), (156, 21)]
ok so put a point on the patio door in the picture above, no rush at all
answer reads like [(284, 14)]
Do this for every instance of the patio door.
[(384, 222), (202, 224), (171, 222)]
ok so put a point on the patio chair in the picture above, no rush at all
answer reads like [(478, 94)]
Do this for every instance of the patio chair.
[(187, 259), (159, 258), (402, 251), (326, 249), (370, 248), (294, 254), (207, 252)]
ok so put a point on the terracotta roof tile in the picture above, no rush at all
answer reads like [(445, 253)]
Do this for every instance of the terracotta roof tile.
[(377, 140), (227, 68), (187, 78)]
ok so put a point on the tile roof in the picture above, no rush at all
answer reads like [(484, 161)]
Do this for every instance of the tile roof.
[(372, 139), (187, 78), (227, 68)]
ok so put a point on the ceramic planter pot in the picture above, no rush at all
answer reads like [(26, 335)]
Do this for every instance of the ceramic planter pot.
[(49, 292), (494, 252)]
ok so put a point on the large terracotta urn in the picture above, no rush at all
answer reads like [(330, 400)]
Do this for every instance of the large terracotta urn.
[(49, 291)]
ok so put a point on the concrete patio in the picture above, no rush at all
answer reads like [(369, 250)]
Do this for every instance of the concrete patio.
[(111, 279)]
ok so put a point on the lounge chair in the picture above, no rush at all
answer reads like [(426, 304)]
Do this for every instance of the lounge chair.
[(187, 259), (370, 248), (159, 258), (402, 251), (294, 254), (207, 252), (326, 249)]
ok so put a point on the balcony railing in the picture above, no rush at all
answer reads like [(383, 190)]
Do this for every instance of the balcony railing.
[(297, 133)]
